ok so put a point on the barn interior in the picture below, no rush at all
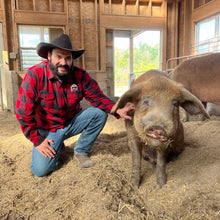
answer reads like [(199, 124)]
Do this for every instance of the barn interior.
[(184, 29), (93, 25)]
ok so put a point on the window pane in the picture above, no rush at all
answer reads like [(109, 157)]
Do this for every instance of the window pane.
[(207, 30), (29, 58), (146, 51), (219, 26), (121, 64), (29, 36), (205, 48)]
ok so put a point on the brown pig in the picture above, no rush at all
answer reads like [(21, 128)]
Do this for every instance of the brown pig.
[(155, 131), (201, 76)]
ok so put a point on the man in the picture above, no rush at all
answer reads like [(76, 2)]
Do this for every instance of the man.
[(48, 106)]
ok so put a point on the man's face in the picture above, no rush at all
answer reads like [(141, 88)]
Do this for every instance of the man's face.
[(60, 62)]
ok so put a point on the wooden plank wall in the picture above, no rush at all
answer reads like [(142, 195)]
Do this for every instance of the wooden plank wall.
[(87, 20)]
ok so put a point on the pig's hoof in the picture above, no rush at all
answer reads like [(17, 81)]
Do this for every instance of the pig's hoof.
[(159, 186), (161, 181), (135, 183)]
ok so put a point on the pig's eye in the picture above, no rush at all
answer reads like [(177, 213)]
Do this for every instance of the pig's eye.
[(146, 102), (175, 103)]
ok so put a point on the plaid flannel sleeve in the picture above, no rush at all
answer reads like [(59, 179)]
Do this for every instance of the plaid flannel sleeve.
[(95, 95)]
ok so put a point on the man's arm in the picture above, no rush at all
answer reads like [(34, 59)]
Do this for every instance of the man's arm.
[(25, 109)]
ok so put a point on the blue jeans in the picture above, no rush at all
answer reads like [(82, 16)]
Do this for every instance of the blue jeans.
[(89, 122)]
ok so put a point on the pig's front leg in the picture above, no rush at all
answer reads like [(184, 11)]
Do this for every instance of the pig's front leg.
[(161, 176), (135, 147)]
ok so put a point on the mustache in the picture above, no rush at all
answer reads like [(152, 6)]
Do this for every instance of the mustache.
[(64, 66)]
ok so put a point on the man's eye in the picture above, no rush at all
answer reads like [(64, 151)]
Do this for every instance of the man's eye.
[(69, 58)]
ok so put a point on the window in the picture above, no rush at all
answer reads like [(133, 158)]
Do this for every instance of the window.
[(29, 37), (135, 52), (207, 37)]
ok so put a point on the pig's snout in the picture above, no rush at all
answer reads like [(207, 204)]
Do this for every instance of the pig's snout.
[(157, 132)]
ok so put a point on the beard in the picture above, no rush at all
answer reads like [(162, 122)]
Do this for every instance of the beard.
[(54, 70)]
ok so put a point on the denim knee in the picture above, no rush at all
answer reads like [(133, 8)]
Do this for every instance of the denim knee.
[(39, 172), (101, 114), (41, 166)]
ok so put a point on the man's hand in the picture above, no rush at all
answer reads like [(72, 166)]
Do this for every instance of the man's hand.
[(123, 112), (45, 149)]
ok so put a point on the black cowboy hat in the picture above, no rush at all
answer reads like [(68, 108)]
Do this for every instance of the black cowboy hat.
[(61, 42)]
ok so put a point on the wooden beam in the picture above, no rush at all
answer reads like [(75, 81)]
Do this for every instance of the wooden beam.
[(40, 18), (133, 22), (206, 10)]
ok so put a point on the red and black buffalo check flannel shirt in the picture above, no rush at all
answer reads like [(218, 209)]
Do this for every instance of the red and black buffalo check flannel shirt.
[(45, 103)]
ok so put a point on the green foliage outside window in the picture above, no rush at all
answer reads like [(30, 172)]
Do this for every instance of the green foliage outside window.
[(145, 58)]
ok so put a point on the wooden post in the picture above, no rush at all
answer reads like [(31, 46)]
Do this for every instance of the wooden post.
[(96, 35), (123, 7), (131, 56), (34, 5), (137, 7), (163, 38), (65, 8), (50, 6), (81, 31), (110, 7), (187, 28), (101, 6), (15, 36), (150, 8), (17, 5), (5, 37)]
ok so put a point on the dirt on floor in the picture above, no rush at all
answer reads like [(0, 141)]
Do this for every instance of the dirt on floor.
[(103, 192)]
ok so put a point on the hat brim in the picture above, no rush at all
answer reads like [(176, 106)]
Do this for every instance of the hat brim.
[(43, 48)]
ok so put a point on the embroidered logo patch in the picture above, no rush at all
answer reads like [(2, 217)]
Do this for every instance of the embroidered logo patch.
[(73, 88)]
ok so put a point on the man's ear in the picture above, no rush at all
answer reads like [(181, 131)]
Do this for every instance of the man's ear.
[(49, 55)]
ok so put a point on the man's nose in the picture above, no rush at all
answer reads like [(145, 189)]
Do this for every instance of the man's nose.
[(63, 61)]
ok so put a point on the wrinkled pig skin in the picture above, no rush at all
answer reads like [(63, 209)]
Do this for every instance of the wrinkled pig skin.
[(155, 131)]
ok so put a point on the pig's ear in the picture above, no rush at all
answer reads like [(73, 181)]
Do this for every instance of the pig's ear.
[(131, 96), (192, 104)]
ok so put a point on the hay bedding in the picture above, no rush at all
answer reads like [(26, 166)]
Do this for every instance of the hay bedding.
[(104, 191)]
